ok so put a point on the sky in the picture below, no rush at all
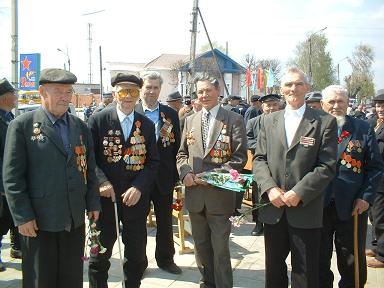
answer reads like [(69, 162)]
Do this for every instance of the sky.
[(140, 31)]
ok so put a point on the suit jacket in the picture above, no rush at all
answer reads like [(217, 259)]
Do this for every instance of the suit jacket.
[(193, 158), (253, 127), (352, 182), (167, 174), (41, 180), (305, 169), (107, 132), (3, 132), (380, 141), (251, 113)]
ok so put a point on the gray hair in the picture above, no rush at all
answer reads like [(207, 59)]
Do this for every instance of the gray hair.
[(334, 89), (298, 71), (152, 75), (206, 77)]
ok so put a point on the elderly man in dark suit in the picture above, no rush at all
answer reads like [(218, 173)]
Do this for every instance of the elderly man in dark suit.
[(213, 138), (127, 162), (167, 129), (376, 255), (359, 170), (294, 161), (50, 182)]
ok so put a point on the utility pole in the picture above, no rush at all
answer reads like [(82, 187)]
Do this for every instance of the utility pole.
[(192, 55), (310, 52), (101, 75), (338, 69), (90, 52), (15, 48)]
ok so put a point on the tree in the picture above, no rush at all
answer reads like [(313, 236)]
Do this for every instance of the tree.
[(323, 72), (206, 47), (360, 82)]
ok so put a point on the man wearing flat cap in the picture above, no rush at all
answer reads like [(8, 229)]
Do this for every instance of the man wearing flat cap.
[(8, 98), (175, 101), (127, 162), (313, 100), (376, 254), (167, 129), (254, 110), (105, 101), (233, 103), (49, 183)]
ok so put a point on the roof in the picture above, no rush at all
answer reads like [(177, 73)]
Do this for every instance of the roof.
[(166, 61)]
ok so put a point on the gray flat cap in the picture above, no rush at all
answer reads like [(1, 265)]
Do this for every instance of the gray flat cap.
[(175, 96), (124, 77), (313, 97), (57, 76), (6, 87)]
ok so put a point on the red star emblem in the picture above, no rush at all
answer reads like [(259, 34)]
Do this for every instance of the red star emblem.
[(26, 63)]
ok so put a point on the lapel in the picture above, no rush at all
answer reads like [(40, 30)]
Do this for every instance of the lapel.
[(279, 125), (196, 126), (74, 135), (306, 125), (217, 126), (116, 125), (139, 108), (48, 130), (380, 132), (346, 127)]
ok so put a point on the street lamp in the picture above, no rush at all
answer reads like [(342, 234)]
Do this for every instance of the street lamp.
[(310, 51), (69, 60), (338, 69)]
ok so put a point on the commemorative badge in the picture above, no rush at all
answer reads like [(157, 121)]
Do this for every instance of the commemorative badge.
[(81, 158), (112, 146), (166, 134), (307, 141), (134, 156), (190, 138), (37, 136), (221, 151)]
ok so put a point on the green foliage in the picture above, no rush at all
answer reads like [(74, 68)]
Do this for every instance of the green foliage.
[(206, 47)]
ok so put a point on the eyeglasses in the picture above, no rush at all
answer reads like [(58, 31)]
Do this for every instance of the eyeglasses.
[(123, 93)]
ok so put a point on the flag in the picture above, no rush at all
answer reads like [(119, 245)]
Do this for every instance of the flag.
[(254, 82), (271, 78), (248, 77), (260, 79)]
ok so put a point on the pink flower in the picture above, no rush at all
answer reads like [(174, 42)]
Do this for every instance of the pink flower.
[(94, 251), (234, 174), (85, 258)]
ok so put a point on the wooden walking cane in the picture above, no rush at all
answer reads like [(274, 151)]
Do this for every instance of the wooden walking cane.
[(118, 239), (356, 249)]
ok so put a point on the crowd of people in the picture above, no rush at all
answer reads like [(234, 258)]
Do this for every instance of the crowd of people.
[(317, 167)]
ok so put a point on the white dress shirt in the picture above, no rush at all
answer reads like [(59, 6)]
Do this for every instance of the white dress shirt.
[(212, 115), (292, 119), (123, 118)]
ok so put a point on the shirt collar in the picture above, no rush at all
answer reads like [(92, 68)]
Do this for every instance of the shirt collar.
[(53, 118), (121, 115), (213, 111), (297, 112), (145, 107)]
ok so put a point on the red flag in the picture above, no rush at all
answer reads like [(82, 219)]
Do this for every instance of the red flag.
[(260, 79), (248, 77)]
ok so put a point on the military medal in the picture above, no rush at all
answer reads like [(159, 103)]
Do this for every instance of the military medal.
[(135, 155), (221, 151), (347, 161), (166, 134), (112, 146), (190, 139), (37, 136), (81, 158)]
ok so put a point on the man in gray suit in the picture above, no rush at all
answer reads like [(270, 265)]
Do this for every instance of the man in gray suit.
[(49, 180), (295, 159), (213, 138)]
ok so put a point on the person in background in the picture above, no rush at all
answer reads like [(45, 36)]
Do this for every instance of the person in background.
[(233, 102), (376, 254), (313, 100), (167, 129), (269, 104), (8, 98), (196, 107), (254, 110), (175, 101), (213, 138), (49, 183), (352, 191), (105, 101), (294, 161)]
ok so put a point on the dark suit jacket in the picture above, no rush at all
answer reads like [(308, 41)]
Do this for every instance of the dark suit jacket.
[(193, 158), (3, 132), (251, 113), (167, 175), (307, 170), (41, 180), (348, 185), (380, 141), (121, 179), (253, 127)]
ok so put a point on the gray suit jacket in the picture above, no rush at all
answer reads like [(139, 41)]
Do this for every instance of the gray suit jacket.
[(192, 158), (41, 180), (305, 169)]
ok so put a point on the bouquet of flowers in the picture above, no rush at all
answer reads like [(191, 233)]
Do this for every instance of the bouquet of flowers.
[(231, 180), (93, 241)]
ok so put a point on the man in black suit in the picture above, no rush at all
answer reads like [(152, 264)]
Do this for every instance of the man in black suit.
[(294, 161), (127, 162), (49, 183), (8, 98), (167, 129), (376, 255), (358, 172)]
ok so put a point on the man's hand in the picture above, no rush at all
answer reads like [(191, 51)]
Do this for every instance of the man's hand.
[(131, 196), (200, 181), (189, 180), (94, 215), (275, 195), (106, 190), (291, 198), (28, 229), (360, 206)]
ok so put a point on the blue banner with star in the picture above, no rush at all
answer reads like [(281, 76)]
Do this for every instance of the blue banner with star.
[(29, 71)]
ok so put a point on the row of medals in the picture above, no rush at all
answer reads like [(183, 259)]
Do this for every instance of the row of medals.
[(352, 145), (165, 132), (221, 152)]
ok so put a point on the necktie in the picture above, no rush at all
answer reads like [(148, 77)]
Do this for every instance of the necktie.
[(205, 128), (126, 127)]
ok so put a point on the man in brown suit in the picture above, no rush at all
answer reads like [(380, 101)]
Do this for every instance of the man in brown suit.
[(295, 159), (213, 138)]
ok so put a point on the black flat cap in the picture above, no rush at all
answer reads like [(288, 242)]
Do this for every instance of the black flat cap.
[(126, 78), (269, 97), (234, 97), (313, 97), (255, 98), (175, 96), (107, 95), (56, 75), (6, 87), (379, 98)]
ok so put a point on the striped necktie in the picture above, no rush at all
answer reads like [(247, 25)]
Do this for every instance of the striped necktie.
[(205, 128)]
